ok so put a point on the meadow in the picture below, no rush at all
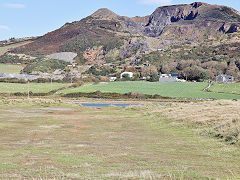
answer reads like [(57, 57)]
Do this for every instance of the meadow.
[(219, 119), (54, 139), (33, 87), (10, 68), (231, 88), (175, 89)]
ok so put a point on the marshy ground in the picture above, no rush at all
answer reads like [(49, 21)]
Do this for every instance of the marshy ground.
[(55, 139)]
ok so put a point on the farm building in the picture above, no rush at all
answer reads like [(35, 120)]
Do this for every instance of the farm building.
[(168, 78), (130, 74), (223, 78)]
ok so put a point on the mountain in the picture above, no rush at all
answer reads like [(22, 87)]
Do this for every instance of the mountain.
[(105, 37), (191, 21)]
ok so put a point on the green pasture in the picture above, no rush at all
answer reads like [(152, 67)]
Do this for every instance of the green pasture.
[(33, 87), (232, 88), (173, 89), (10, 68)]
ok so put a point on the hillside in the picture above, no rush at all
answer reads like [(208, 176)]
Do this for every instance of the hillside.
[(105, 37)]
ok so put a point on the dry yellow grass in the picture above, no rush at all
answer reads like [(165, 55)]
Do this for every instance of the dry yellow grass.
[(55, 139), (217, 118)]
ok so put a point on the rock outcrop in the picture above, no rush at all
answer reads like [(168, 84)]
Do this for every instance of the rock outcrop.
[(229, 28), (166, 16)]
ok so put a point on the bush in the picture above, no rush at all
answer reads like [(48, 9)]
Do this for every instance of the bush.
[(13, 59), (78, 84), (13, 80), (98, 94), (154, 78), (45, 65)]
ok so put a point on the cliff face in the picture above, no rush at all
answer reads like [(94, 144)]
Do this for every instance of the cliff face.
[(166, 16), (195, 15)]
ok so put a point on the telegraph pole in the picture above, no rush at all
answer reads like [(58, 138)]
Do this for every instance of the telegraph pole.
[(71, 78), (28, 90)]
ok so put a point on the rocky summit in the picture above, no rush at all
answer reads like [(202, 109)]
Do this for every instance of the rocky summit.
[(172, 38)]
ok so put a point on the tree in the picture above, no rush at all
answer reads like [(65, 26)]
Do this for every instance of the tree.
[(154, 77), (149, 71), (169, 67), (237, 62), (232, 69), (126, 77), (195, 73)]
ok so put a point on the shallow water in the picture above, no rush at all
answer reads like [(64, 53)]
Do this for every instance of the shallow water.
[(106, 105)]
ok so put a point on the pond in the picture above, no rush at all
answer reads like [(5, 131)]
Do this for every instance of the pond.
[(106, 105)]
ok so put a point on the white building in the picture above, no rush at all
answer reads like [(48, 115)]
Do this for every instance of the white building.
[(170, 78), (130, 74), (223, 78), (112, 79)]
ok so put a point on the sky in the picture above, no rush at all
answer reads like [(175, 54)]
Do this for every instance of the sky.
[(25, 18)]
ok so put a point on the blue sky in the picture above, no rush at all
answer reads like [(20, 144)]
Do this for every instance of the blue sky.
[(21, 18)]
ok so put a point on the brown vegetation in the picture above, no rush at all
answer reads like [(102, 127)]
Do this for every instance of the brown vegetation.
[(220, 119)]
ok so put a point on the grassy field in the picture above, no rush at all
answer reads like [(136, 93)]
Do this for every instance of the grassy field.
[(231, 88), (6, 48), (179, 89), (52, 139), (33, 87), (219, 119), (10, 68)]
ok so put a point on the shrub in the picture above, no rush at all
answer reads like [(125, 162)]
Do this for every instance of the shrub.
[(101, 71), (45, 65)]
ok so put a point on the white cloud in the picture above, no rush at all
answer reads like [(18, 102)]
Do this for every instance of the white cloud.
[(156, 2), (16, 6), (4, 27)]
